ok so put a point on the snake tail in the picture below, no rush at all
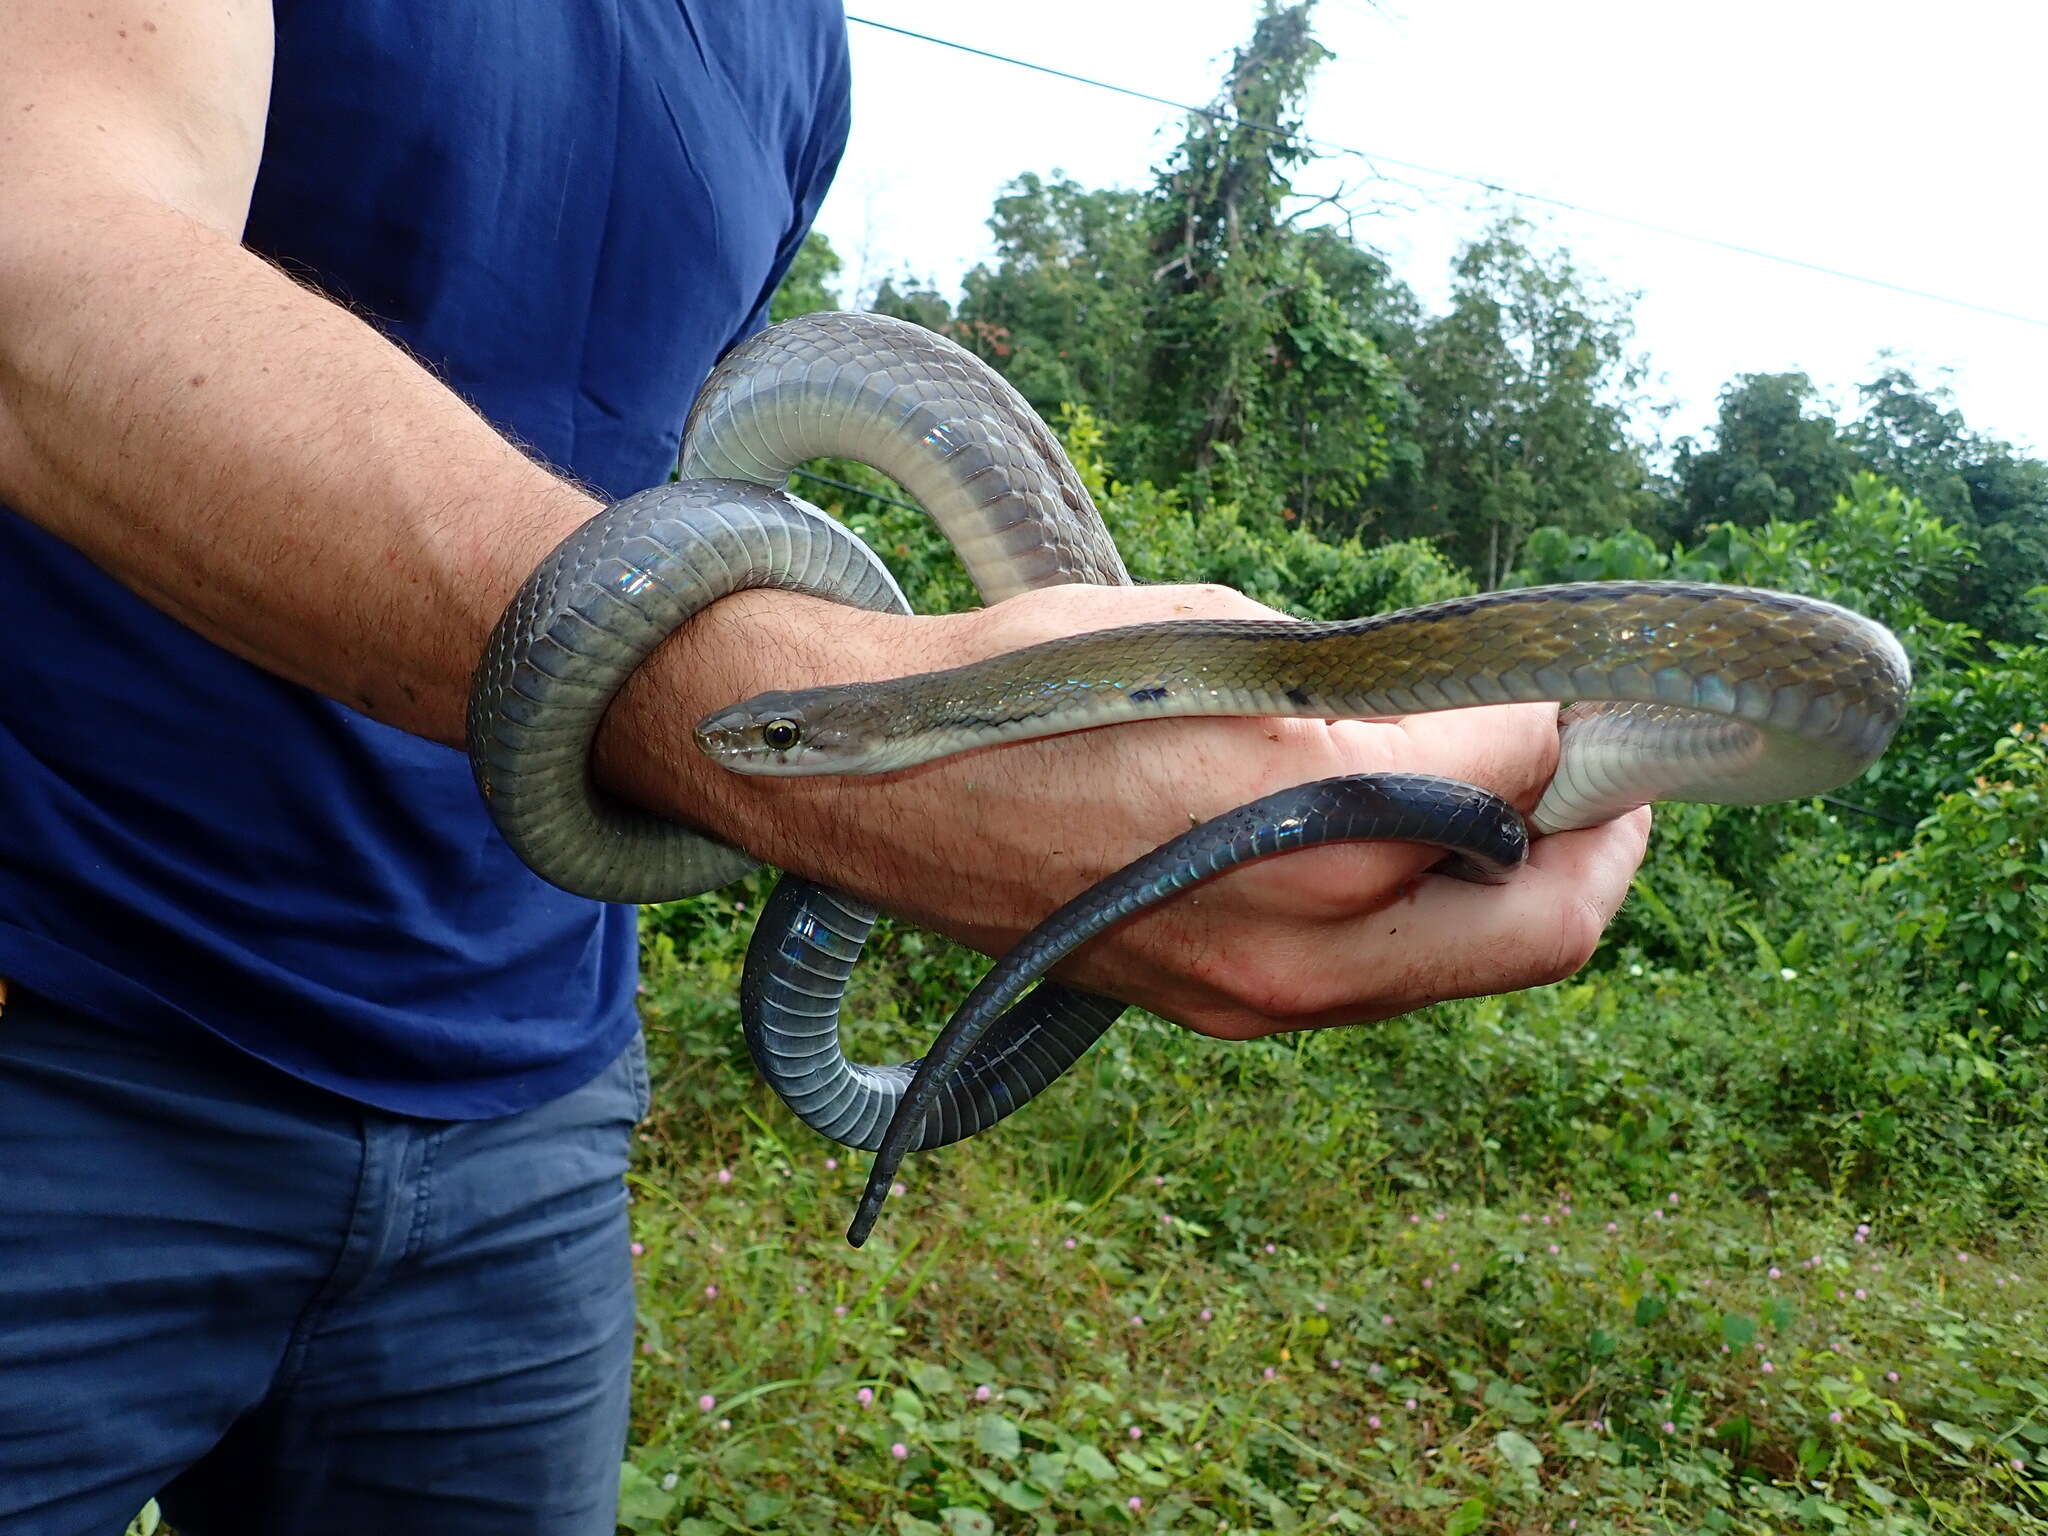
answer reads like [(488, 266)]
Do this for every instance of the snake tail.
[(1479, 830)]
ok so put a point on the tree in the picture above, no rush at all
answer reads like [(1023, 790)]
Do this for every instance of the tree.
[(1777, 454), (1260, 388), (1522, 396), (1066, 295), (1999, 497), (807, 287)]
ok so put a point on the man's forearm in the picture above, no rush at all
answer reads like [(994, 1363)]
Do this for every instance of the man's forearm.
[(258, 462)]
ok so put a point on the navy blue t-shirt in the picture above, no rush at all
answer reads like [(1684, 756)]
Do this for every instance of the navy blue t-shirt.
[(567, 211)]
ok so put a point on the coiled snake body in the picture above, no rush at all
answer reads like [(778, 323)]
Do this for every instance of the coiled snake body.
[(1673, 691)]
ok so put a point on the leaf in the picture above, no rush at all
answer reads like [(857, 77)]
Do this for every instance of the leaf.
[(1518, 1450), (1954, 1434), (1094, 1463), (931, 1380), (1469, 1517), (997, 1436), (1736, 1330), (1019, 1494), (961, 1521), (1648, 1310), (643, 1505)]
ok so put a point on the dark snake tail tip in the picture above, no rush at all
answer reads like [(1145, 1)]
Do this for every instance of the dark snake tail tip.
[(869, 1211)]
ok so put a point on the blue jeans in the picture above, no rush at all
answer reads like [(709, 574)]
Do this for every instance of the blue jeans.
[(280, 1312)]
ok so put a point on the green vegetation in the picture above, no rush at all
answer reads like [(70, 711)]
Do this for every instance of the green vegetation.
[(1737, 1231)]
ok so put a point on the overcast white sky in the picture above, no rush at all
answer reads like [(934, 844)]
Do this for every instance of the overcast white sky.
[(1901, 141)]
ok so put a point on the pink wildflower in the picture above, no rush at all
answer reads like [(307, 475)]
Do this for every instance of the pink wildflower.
[(900, 1451), (706, 1403), (982, 1394), (1134, 1502), (865, 1397), (724, 1175), (1137, 1433), (636, 1249)]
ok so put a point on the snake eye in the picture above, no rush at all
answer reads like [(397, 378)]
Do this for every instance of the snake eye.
[(781, 735)]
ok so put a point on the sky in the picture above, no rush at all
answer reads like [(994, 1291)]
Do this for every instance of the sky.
[(1901, 142)]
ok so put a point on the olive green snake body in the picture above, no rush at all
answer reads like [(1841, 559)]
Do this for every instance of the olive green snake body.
[(1671, 691)]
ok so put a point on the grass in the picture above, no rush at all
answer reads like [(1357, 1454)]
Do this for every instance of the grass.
[(1592, 1259), (1738, 1232)]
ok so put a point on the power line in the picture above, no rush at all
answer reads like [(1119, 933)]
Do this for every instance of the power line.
[(1629, 220), (861, 490)]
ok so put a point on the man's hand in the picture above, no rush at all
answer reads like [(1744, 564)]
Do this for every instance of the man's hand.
[(981, 847)]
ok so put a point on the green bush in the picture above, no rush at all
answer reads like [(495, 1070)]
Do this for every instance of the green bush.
[(1971, 891)]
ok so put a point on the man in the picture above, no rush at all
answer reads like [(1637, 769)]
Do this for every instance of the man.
[(313, 1103)]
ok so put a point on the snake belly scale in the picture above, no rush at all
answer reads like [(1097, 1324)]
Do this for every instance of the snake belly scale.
[(1674, 691)]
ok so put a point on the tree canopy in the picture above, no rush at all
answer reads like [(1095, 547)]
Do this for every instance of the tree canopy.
[(1245, 355)]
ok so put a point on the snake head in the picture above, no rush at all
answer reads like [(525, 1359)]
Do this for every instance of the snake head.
[(787, 733)]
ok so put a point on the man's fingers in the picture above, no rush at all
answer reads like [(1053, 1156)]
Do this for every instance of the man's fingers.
[(1437, 939)]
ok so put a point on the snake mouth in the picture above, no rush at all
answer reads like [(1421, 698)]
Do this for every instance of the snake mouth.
[(732, 739)]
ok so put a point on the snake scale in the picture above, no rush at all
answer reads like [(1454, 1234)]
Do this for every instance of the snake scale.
[(1671, 691)]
